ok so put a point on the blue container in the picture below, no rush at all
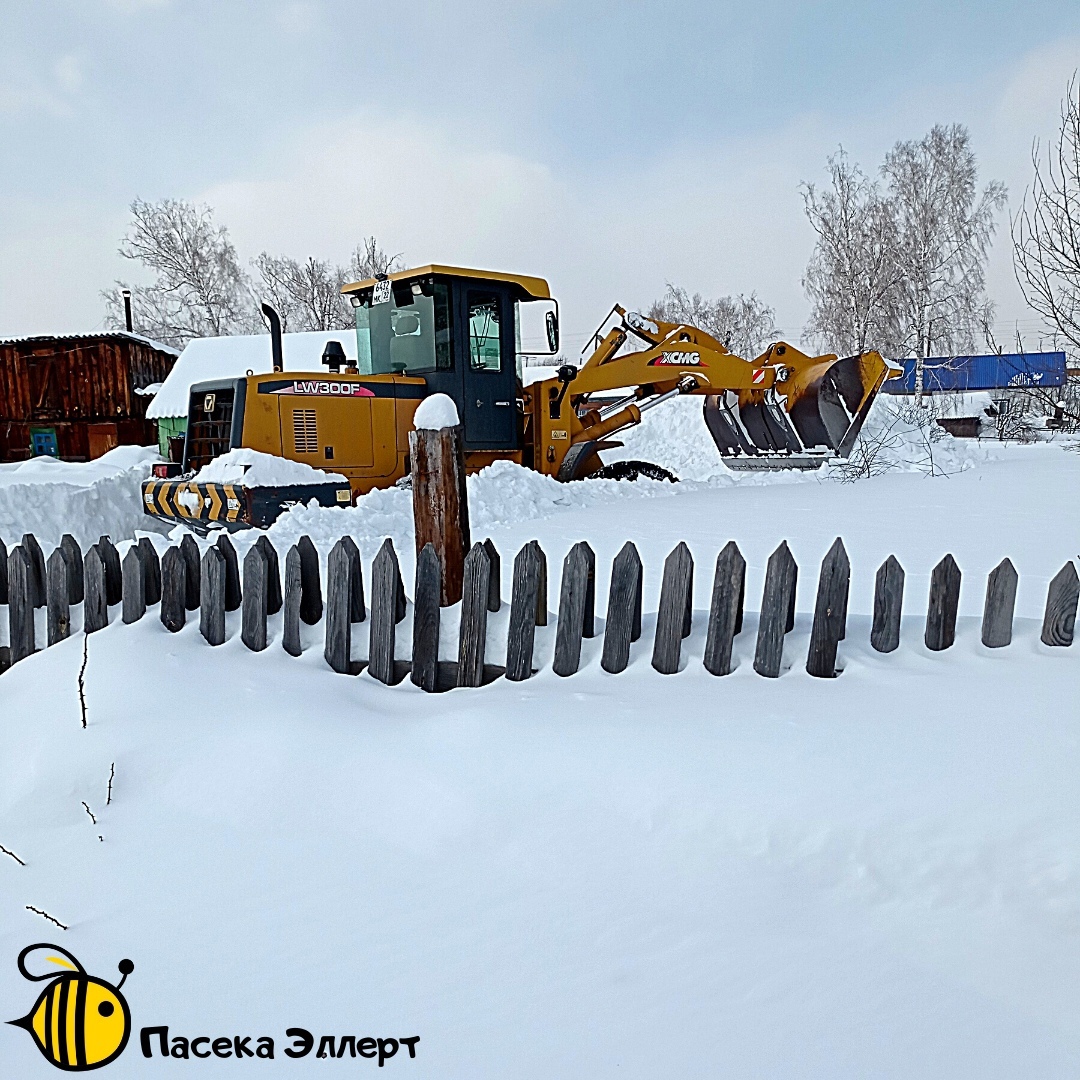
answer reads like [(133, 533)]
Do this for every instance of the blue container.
[(957, 374)]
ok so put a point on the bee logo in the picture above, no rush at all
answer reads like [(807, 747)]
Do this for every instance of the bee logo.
[(79, 1022)]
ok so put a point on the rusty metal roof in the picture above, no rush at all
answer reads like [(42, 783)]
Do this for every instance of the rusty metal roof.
[(105, 335)]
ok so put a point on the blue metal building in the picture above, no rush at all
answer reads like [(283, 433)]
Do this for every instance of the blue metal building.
[(958, 374)]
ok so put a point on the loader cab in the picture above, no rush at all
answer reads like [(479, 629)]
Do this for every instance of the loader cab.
[(457, 329)]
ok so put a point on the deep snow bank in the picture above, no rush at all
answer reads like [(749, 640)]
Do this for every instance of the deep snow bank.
[(49, 497)]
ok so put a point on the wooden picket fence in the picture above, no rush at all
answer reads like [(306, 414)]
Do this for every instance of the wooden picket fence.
[(213, 583)]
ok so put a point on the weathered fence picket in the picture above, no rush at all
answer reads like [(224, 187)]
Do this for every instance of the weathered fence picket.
[(943, 604), (622, 624), (888, 605), (294, 588), (173, 590), (523, 613), (73, 556), (56, 589), (3, 572), (1000, 603), (254, 603), (357, 607), (273, 575), (385, 576), (212, 600), (676, 605), (725, 610), (472, 636), (777, 611), (114, 578), (189, 550), (234, 595), (311, 602), (494, 599), (1059, 618), (95, 591), (33, 551), (573, 598), (427, 597), (151, 571), (542, 584), (830, 612), (134, 579), (337, 645), (20, 604)]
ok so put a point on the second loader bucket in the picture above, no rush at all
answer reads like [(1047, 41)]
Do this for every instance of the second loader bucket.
[(818, 415)]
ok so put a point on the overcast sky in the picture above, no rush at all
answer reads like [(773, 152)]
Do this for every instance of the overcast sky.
[(609, 147)]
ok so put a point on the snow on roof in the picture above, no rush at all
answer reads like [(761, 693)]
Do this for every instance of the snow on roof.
[(204, 359), (161, 347)]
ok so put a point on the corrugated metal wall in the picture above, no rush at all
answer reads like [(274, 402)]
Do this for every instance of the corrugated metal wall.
[(989, 372)]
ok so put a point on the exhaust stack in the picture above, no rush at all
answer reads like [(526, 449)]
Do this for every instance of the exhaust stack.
[(275, 335)]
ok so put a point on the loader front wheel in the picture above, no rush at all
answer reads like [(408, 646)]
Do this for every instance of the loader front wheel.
[(631, 470)]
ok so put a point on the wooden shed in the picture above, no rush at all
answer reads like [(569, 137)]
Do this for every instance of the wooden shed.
[(77, 397)]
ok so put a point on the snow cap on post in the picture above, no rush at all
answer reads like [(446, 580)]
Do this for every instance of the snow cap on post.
[(435, 413)]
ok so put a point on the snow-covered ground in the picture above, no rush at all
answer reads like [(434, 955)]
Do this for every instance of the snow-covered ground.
[(603, 876)]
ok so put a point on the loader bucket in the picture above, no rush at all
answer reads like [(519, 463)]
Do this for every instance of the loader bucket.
[(818, 418)]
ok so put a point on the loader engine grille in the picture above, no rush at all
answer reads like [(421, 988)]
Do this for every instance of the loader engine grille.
[(209, 432), (305, 431)]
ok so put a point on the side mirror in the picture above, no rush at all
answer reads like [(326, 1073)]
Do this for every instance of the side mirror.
[(551, 323)]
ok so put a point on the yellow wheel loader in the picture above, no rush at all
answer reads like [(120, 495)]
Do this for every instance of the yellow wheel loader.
[(442, 329)]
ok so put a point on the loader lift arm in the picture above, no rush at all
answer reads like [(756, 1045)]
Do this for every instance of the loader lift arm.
[(785, 409)]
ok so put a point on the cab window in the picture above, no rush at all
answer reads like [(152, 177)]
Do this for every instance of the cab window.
[(409, 333), (485, 341)]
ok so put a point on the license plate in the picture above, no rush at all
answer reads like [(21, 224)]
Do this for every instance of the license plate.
[(381, 293)]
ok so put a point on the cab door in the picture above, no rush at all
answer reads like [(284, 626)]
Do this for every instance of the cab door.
[(486, 346)]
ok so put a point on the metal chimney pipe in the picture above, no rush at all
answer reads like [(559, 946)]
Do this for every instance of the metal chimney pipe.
[(127, 310), (275, 335)]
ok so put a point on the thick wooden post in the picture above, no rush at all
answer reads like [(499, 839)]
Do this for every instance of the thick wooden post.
[(494, 600), (523, 603), (777, 605), (624, 603), (114, 578), (441, 502), (385, 575), (192, 572), (253, 619), (151, 571), (357, 607), (573, 596), (888, 605), (95, 590), (311, 603), (212, 600), (1000, 604), (729, 587), (37, 569), (233, 593), (294, 588), (337, 647), (1059, 618), (830, 612), (944, 600), (676, 594), (427, 595), (20, 604), (472, 636), (134, 579), (73, 553), (173, 590), (273, 575), (56, 587)]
